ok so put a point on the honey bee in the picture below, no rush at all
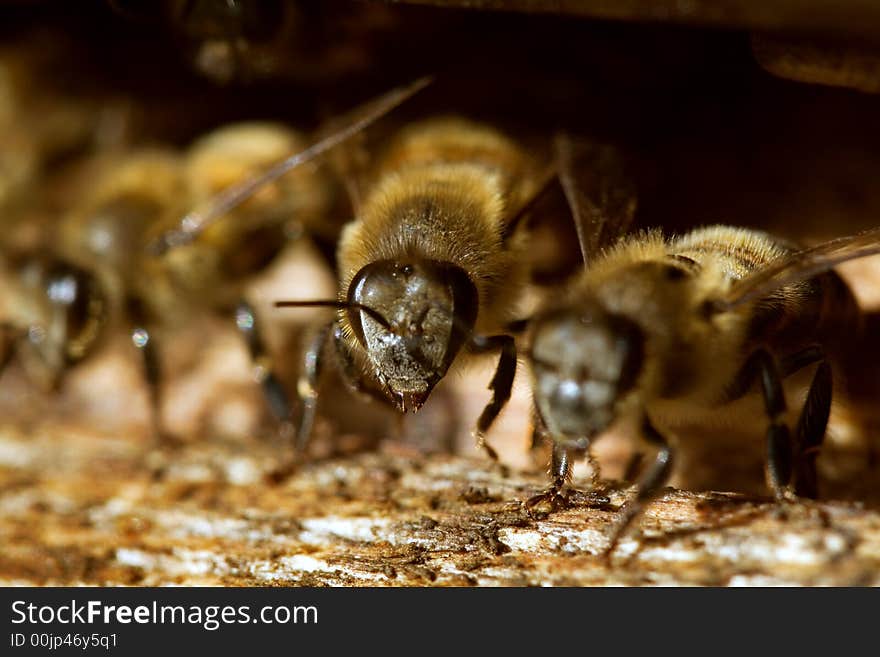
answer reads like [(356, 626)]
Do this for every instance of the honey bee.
[(430, 269), (52, 310), (138, 195), (237, 41), (226, 39), (664, 331)]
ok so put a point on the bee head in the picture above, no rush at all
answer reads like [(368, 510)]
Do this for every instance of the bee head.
[(74, 312), (429, 309), (583, 361)]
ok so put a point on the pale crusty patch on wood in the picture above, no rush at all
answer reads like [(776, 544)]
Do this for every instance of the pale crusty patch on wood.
[(75, 509)]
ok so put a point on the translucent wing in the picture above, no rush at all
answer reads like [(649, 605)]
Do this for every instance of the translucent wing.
[(352, 123), (545, 181), (802, 265), (601, 197)]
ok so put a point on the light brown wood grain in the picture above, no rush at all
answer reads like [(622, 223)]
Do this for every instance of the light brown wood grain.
[(76, 509)]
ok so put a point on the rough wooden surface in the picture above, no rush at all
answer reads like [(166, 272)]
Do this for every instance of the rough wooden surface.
[(79, 510)]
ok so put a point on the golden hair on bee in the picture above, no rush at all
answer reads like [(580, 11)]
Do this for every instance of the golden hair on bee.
[(239, 151), (667, 331), (217, 266), (446, 190)]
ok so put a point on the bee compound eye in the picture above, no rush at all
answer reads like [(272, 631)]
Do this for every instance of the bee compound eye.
[(371, 279)]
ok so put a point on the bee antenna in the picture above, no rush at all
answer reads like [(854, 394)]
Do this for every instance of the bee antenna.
[(197, 220), (333, 303)]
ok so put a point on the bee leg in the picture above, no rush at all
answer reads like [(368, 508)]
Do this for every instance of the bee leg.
[(810, 432), (633, 466), (779, 448), (648, 485), (560, 474), (307, 387), (144, 341), (501, 384), (264, 373)]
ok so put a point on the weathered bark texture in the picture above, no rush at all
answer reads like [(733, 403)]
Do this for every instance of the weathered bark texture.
[(80, 510)]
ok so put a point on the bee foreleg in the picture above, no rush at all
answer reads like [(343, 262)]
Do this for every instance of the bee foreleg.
[(633, 466), (144, 340), (650, 483), (501, 384), (560, 474), (264, 373), (811, 431), (779, 451), (307, 387)]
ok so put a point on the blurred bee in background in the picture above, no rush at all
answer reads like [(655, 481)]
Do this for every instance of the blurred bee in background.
[(670, 332), (225, 38), (236, 41), (139, 195), (91, 267), (52, 310), (86, 266), (215, 269)]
